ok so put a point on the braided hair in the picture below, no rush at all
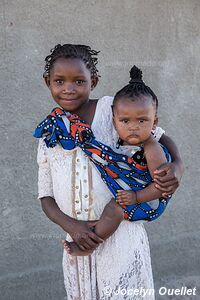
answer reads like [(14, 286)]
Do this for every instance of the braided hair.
[(135, 88), (85, 53)]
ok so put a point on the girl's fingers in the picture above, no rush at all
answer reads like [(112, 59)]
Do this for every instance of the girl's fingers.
[(167, 184), (91, 244), (95, 238), (170, 178), (161, 173), (163, 169), (165, 178), (169, 190)]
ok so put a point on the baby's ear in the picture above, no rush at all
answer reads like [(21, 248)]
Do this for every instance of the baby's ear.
[(155, 123), (47, 80), (94, 81)]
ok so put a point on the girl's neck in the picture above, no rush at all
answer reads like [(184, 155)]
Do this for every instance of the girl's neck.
[(87, 111)]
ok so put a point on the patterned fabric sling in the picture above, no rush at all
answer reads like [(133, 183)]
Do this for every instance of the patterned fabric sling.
[(118, 171)]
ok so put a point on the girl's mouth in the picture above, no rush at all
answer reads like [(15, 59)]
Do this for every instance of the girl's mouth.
[(68, 100)]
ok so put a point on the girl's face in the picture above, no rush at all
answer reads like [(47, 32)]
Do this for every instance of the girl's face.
[(134, 120), (70, 83)]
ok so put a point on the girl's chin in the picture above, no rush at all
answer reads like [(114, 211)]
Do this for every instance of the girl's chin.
[(70, 108)]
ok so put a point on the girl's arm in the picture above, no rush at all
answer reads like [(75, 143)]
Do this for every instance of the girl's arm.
[(155, 157), (80, 231), (168, 176)]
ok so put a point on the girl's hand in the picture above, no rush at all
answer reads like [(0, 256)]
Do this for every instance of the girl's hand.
[(82, 234), (167, 177), (126, 197)]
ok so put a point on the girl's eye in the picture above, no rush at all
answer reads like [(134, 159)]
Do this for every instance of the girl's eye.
[(79, 82), (141, 121), (59, 81)]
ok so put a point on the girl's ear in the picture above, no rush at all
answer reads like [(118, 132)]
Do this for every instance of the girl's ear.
[(94, 81), (47, 80), (155, 123)]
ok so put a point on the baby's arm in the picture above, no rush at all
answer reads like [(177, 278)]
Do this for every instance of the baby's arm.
[(169, 175), (155, 157)]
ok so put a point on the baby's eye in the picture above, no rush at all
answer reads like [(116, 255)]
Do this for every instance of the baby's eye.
[(142, 121), (79, 81), (125, 121)]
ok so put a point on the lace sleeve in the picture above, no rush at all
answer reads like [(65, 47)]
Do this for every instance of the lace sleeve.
[(158, 132), (45, 186)]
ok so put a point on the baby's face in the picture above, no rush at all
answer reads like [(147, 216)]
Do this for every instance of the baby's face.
[(134, 120)]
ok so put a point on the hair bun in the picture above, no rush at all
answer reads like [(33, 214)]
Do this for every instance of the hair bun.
[(135, 75)]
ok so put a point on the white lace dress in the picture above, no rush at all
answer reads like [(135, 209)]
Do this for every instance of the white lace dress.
[(120, 265)]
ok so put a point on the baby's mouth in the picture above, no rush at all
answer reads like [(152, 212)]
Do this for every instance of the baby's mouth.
[(133, 135)]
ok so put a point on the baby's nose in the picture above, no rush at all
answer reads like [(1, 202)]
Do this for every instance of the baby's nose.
[(133, 126)]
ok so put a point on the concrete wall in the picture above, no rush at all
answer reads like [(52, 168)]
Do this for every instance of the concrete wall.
[(161, 37)]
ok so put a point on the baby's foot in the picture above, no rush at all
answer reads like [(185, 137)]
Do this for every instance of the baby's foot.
[(73, 249)]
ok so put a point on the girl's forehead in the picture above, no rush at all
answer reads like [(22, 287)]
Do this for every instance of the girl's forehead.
[(71, 65)]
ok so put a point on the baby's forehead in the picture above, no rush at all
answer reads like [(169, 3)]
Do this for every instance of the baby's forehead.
[(140, 98), (134, 109), (136, 102)]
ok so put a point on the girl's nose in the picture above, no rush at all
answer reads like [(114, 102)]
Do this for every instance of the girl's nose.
[(68, 88)]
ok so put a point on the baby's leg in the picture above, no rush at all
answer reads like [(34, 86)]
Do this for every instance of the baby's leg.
[(109, 221)]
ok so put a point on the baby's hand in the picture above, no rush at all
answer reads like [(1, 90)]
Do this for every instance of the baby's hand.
[(126, 197)]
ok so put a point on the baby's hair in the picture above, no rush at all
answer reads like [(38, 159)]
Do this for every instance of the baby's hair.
[(135, 88), (85, 53)]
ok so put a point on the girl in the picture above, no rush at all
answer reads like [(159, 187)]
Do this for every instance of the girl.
[(73, 195)]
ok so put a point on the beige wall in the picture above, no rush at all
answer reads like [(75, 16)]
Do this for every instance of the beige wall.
[(161, 37)]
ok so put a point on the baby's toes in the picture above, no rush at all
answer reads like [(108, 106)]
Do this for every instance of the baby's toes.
[(67, 247)]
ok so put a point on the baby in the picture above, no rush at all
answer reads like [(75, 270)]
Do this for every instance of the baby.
[(134, 117)]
